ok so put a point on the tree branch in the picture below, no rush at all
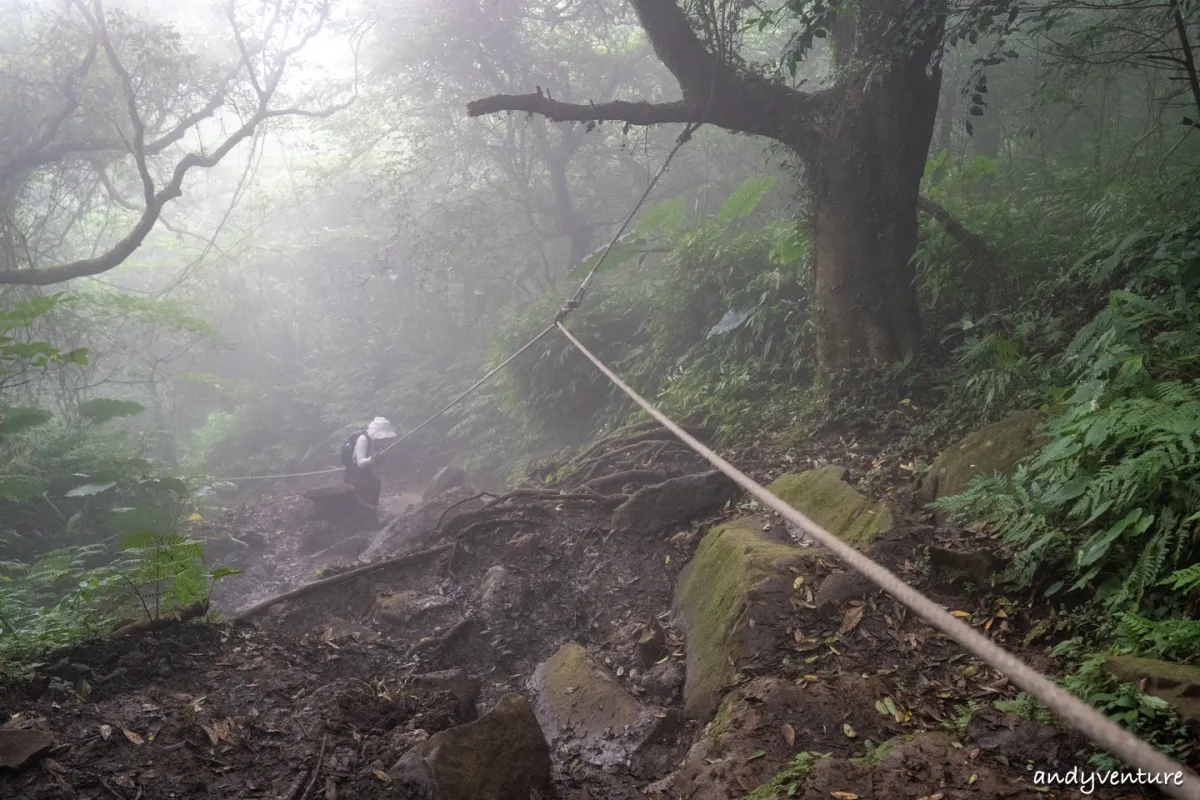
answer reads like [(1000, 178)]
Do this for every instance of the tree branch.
[(51, 125), (639, 113), (155, 201), (713, 91), (976, 247)]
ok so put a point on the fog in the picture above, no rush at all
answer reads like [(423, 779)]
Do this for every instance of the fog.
[(232, 233)]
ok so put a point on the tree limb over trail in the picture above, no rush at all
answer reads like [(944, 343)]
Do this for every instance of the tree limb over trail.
[(714, 91), (640, 113), (863, 139), (249, 90)]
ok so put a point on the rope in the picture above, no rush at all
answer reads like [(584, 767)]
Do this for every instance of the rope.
[(571, 304), (577, 299), (1101, 730)]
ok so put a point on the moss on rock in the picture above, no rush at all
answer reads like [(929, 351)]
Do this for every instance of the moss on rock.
[(824, 496), (996, 448), (736, 566)]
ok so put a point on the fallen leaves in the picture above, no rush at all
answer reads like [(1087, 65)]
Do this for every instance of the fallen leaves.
[(133, 737), (789, 734), (887, 707), (382, 776), (961, 614), (105, 732), (843, 795), (846, 729), (851, 620)]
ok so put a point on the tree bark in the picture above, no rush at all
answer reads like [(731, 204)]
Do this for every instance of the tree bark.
[(864, 143), (866, 184)]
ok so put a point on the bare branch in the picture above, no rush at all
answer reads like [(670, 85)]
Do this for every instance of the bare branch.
[(558, 111), (51, 125), (156, 200), (713, 91)]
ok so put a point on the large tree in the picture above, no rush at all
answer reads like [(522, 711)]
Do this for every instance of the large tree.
[(863, 139)]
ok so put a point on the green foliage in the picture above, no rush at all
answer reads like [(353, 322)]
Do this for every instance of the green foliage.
[(104, 409), (789, 781), (709, 323), (64, 597), (22, 356), (1147, 717), (1112, 496)]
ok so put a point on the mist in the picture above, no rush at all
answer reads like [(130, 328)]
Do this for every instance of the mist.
[(923, 271)]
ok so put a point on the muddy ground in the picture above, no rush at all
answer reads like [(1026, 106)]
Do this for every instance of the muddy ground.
[(319, 696)]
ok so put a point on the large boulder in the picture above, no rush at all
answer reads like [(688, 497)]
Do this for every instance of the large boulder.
[(653, 509), (500, 756), (824, 496), (996, 448), (731, 600), (587, 712)]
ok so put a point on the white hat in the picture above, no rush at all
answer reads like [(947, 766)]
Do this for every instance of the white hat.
[(380, 428)]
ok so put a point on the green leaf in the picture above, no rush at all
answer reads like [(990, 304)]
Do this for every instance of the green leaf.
[(89, 489), (791, 249), (17, 487), (103, 409), (144, 518), (15, 419), (745, 199), (626, 249), (223, 572), (665, 217), (1097, 546)]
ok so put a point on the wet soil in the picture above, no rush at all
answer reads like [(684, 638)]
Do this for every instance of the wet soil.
[(310, 699)]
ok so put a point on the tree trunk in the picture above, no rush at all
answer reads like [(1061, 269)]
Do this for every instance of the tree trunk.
[(867, 180)]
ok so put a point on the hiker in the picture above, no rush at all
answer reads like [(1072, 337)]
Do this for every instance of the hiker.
[(360, 459)]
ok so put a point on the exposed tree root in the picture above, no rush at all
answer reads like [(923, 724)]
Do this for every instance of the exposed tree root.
[(452, 506), (181, 614), (619, 479), (495, 525), (455, 525), (410, 558), (640, 453), (550, 494)]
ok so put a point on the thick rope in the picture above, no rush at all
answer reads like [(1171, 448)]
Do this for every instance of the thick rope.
[(571, 304), (1098, 728)]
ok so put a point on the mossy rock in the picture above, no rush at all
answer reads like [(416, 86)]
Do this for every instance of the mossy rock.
[(996, 448), (738, 573), (824, 496), (1178, 684), (579, 700)]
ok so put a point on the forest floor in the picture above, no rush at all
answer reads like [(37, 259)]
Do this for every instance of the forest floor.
[(321, 695)]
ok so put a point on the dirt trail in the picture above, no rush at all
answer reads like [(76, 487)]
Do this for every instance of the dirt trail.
[(322, 696)]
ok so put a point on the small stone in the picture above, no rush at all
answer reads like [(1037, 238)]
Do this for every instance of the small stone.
[(840, 588)]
